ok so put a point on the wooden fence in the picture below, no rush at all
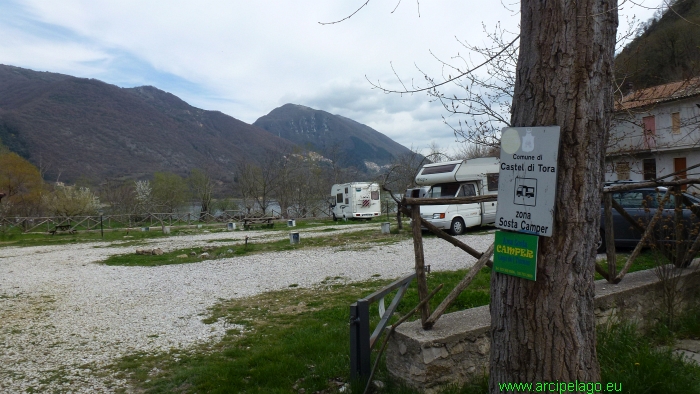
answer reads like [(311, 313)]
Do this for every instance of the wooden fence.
[(681, 257), (49, 223)]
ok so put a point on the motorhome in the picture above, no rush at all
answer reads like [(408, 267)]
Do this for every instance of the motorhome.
[(460, 178), (356, 200), (417, 192)]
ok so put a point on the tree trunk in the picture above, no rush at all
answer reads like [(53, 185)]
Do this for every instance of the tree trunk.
[(544, 330)]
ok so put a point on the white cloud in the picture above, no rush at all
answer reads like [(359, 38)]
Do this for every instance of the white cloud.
[(246, 58)]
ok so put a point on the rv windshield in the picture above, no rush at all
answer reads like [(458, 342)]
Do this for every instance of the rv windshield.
[(443, 190)]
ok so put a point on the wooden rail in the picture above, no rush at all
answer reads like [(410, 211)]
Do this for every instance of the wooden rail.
[(411, 207)]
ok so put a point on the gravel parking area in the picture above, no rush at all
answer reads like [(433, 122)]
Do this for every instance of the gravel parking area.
[(63, 315)]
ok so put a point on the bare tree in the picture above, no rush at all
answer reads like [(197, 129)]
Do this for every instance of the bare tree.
[(544, 330), (119, 196), (258, 184), (466, 151), (143, 193), (201, 185), (403, 171), (304, 186), (71, 201)]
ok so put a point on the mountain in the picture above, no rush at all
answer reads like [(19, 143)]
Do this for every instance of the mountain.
[(75, 127), (667, 49), (333, 136)]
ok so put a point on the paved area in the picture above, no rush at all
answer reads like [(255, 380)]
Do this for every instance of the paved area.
[(65, 317), (690, 349)]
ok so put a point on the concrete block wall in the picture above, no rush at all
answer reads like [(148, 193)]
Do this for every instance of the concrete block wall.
[(457, 348)]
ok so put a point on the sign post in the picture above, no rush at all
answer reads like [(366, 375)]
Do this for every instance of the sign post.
[(527, 186), (527, 180)]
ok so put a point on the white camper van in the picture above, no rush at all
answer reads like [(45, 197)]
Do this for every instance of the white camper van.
[(357, 200), (460, 178)]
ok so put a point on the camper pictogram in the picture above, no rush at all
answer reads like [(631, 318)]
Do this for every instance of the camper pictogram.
[(525, 191)]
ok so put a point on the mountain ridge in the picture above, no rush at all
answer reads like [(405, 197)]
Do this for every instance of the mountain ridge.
[(78, 127), (330, 135)]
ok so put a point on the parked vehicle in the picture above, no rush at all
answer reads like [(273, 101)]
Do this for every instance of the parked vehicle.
[(417, 192), (356, 200), (460, 178), (642, 204)]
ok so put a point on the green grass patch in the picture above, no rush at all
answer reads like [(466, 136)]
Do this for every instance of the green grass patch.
[(280, 342), (648, 258), (284, 341), (15, 237), (630, 359), (684, 326), (354, 239)]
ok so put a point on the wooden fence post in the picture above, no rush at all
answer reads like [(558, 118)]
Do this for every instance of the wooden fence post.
[(420, 262), (609, 237), (681, 247)]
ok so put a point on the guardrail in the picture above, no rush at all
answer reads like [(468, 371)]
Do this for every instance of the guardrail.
[(361, 341)]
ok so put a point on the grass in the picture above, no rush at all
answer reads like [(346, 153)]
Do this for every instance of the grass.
[(15, 237), (280, 340), (294, 339), (350, 240), (648, 258), (635, 362), (284, 341)]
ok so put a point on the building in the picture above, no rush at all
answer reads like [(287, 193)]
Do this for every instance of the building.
[(655, 132)]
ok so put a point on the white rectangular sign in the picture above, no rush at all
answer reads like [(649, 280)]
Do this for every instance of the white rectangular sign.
[(527, 180)]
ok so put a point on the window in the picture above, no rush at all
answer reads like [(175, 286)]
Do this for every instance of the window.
[(649, 132), (623, 170), (676, 123), (653, 199), (375, 194), (649, 168), (642, 199), (445, 168), (339, 198), (492, 181), (467, 190), (631, 199), (346, 190), (444, 190)]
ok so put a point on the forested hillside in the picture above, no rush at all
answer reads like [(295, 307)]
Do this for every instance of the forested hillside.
[(667, 48)]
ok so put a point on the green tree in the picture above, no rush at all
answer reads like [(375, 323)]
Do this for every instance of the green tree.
[(22, 183), (169, 191)]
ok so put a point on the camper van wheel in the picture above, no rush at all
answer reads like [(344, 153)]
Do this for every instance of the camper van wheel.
[(335, 218), (457, 226)]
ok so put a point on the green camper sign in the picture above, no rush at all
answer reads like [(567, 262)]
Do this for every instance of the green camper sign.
[(515, 254)]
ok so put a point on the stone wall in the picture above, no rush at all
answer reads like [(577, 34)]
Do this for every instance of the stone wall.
[(457, 348)]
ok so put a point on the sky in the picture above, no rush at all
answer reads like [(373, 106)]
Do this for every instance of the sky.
[(245, 58)]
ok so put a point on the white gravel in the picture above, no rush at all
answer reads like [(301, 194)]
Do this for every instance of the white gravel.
[(63, 316)]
